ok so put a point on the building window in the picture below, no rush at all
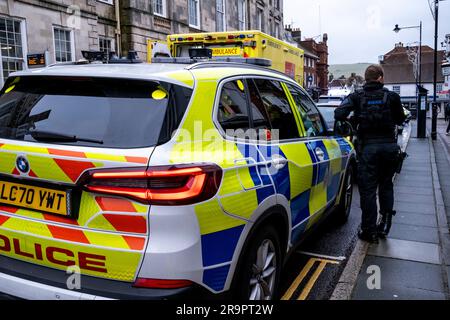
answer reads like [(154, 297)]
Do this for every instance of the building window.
[(107, 1), (105, 45), (396, 89), (63, 45), (277, 30), (11, 42), (260, 20), (439, 87), (220, 15), (194, 13), (277, 4), (242, 14), (160, 8)]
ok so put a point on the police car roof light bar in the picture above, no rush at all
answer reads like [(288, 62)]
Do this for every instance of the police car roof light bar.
[(215, 61)]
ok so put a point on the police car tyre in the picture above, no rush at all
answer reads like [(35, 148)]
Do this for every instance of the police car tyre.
[(342, 211), (260, 268)]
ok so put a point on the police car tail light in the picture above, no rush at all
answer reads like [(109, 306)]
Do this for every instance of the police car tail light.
[(161, 283), (163, 185)]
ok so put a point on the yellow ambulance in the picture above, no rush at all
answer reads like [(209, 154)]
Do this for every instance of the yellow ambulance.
[(285, 58)]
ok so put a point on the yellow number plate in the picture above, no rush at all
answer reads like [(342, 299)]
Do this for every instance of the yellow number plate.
[(36, 198), (232, 51)]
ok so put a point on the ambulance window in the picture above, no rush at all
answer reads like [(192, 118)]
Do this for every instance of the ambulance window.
[(233, 111), (310, 114), (278, 109)]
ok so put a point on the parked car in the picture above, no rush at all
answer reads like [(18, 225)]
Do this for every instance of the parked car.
[(327, 111), (144, 178)]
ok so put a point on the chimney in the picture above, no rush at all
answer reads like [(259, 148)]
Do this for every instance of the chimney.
[(399, 45), (297, 35), (325, 38)]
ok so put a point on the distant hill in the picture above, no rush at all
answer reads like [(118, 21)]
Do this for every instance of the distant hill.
[(346, 70)]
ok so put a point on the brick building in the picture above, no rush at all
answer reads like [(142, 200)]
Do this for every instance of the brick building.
[(60, 29), (319, 49), (316, 59)]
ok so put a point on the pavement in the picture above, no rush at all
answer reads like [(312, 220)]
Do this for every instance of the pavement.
[(315, 269), (414, 261)]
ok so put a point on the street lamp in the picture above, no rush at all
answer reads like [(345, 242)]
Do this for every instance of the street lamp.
[(421, 114), (435, 105)]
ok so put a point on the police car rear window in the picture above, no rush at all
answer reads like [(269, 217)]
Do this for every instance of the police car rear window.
[(97, 112)]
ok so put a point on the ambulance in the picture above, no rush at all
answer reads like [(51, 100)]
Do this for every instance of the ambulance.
[(247, 44)]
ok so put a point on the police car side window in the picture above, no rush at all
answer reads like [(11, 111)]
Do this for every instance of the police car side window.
[(233, 111), (308, 111), (260, 116), (278, 109)]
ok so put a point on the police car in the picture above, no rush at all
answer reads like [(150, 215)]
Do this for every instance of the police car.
[(160, 181)]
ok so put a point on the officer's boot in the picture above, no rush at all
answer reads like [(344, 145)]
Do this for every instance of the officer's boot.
[(386, 222), (382, 226)]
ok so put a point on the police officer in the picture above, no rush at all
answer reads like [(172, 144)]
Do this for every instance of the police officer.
[(377, 111)]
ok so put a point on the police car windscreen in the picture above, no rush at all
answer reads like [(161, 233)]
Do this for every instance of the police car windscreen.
[(85, 111)]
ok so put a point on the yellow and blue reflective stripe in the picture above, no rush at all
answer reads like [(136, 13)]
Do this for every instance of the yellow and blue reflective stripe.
[(215, 278)]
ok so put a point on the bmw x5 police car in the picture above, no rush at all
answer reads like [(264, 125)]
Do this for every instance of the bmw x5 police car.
[(163, 180)]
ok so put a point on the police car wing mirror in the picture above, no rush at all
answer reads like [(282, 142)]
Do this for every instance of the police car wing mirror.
[(343, 129)]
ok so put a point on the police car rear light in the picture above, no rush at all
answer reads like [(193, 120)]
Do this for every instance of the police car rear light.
[(163, 185), (161, 283)]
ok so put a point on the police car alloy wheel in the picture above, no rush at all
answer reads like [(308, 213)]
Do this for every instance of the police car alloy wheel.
[(262, 281), (259, 269), (348, 191), (343, 209)]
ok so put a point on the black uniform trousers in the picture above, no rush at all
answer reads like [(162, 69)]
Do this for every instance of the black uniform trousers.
[(376, 168)]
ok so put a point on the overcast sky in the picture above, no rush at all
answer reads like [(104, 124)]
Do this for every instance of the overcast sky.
[(361, 30)]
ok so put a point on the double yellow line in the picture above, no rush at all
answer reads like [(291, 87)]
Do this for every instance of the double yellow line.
[(310, 284)]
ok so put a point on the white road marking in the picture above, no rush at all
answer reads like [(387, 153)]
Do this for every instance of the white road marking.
[(341, 258)]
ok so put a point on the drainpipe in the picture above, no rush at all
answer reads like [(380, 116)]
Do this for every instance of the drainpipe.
[(118, 32), (248, 22)]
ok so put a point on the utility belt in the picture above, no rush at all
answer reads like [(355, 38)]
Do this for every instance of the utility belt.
[(399, 157), (362, 141)]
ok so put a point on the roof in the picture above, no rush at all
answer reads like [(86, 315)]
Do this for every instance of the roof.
[(337, 83), (199, 37), (138, 71), (308, 53), (399, 70), (181, 74)]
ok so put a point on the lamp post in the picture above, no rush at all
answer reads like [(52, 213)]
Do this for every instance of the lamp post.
[(435, 106), (421, 114)]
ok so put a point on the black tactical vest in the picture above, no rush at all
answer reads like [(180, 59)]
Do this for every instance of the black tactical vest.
[(374, 115)]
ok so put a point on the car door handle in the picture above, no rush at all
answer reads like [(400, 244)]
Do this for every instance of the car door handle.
[(320, 154), (279, 162)]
